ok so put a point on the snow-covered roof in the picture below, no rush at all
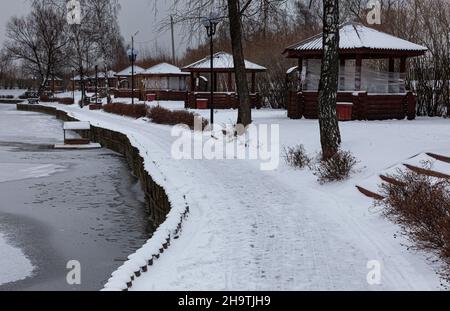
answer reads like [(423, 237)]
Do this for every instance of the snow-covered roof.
[(164, 69), (222, 61), (127, 71), (101, 74), (357, 36)]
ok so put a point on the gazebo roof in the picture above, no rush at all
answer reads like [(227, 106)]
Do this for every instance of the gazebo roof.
[(101, 75), (223, 62), (355, 39), (164, 69), (127, 71)]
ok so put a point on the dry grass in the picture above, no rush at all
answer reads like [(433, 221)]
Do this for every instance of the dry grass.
[(297, 157), (421, 206), (338, 168)]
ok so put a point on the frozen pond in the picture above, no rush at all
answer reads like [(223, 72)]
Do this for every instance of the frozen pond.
[(60, 206)]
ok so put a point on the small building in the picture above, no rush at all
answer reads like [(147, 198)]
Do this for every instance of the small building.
[(124, 81), (101, 76), (164, 82), (225, 96), (372, 74)]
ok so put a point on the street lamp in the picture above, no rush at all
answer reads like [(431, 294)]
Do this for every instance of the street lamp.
[(73, 85), (132, 56), (96, 84), (210, 24)]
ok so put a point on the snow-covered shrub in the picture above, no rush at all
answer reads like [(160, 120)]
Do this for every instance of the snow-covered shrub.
[(66, 101), (421, 206), (133, 111), (297, 157), (338, 168), (161, 115)]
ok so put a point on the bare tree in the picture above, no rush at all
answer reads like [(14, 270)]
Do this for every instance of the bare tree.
[(38, 41), (330, 136)]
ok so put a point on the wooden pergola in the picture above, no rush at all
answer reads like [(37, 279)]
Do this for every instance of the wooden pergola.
[(357, 44), (225, 95)]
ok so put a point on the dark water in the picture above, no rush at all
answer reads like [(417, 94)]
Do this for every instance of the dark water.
[(90, 211)]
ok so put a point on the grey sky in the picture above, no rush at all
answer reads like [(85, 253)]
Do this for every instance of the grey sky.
[(136, 15)]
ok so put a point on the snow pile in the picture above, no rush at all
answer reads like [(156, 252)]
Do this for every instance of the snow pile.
[(15, 265)]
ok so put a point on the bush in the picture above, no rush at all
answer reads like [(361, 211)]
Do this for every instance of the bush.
[(338, 168), (297, 157), (66, 101), (161, 115), (133, 111), (421, 205)]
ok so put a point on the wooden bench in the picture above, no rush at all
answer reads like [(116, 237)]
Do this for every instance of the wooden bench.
[(76, 126)]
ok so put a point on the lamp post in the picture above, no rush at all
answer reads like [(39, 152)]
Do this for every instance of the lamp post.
[(132, 56), (210, 24), (73, 85), (96, 84)]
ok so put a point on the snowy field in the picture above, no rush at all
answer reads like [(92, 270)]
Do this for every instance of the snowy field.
[(280, 230)]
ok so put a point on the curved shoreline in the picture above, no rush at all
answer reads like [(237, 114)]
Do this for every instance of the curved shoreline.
[(167, 221)]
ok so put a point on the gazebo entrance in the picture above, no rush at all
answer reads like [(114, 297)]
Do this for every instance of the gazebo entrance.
[(371, 76)]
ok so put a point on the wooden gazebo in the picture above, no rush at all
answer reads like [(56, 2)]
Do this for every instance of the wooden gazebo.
[(225, 96), (163, 82), (124, 81), (372, 74)]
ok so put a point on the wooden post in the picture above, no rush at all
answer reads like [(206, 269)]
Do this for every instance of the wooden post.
[(300, 70), (192, 82), (230, 82), (411, 106), (215, 81), (253, 82), (358, 76), (391, 75), (403, 74), (342, 74)]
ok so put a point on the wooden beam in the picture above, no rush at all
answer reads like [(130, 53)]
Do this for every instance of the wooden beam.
[(391, 75), (403, 74), (230, 82)]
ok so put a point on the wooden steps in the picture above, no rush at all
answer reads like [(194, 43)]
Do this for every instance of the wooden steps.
[(440, 170), (439, 157), (426, 172)]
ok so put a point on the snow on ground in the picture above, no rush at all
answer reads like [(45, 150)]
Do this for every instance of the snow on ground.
[(280, 230), (15, 265)]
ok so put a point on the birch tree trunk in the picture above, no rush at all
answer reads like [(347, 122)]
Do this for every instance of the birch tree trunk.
[(245, 112), (329, 127)]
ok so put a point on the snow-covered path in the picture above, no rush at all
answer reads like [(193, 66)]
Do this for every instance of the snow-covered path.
[(255, 230)]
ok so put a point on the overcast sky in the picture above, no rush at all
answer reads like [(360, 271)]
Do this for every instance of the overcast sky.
[(136, 15)]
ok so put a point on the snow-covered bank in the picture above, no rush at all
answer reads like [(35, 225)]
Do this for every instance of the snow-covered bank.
[(14, 264), (280, 230)]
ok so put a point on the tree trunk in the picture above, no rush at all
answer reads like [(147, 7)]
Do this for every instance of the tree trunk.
[(329, 127), (245, 113)]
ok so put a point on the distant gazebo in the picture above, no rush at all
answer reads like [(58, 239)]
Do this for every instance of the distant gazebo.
[(371, 77), (124, 81), (163, 82), (225, 96)]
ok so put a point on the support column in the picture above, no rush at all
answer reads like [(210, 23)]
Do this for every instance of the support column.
[(230, 82), (391, 75), (300, 70), (215, 82), (253, 82), (358, 69), (342, 74), (403, 74), (192, 82)]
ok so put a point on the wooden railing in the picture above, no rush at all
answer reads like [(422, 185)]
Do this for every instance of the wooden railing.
[(221, 100), (366, 106)]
